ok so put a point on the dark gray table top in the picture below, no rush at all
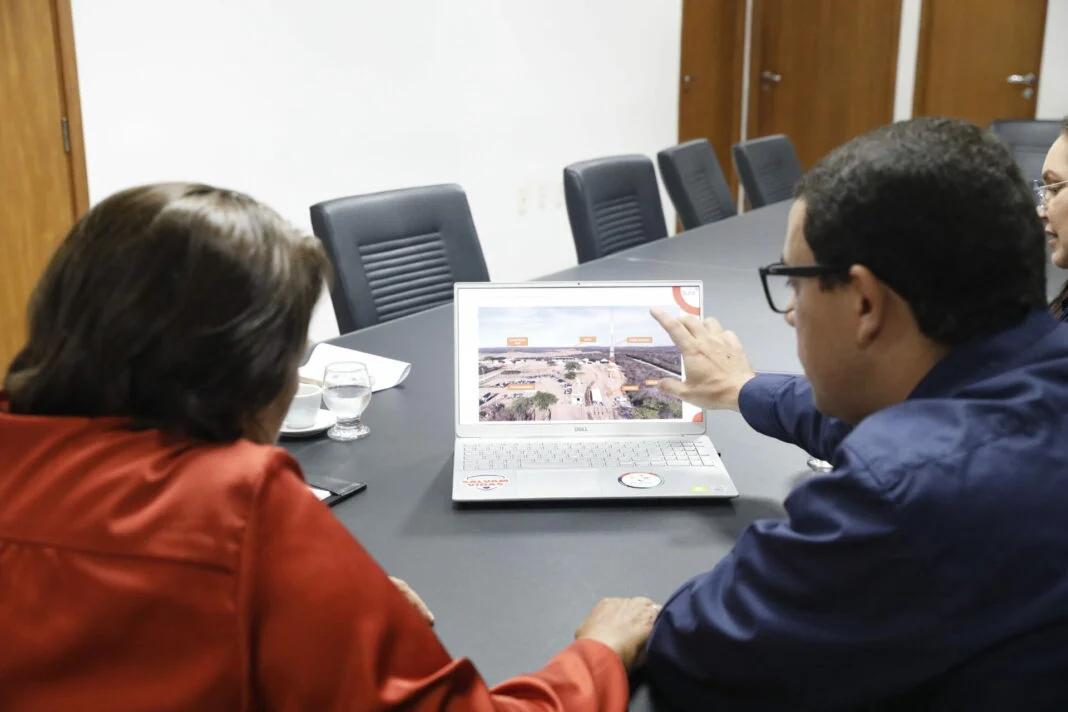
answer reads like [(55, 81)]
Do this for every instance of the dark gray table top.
[(743, 242), (510, 584), (747, 242)]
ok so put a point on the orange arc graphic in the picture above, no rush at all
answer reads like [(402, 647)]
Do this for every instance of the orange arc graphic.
[(687, 308)]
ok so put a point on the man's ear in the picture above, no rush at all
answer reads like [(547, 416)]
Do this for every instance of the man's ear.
[(870, 304)]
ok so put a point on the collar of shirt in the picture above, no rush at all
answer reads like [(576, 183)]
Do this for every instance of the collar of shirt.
[(983, 356)]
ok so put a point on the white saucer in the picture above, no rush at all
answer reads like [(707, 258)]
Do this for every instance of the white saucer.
[(324, 420)]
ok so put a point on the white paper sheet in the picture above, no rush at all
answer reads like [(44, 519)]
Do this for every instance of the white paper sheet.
[(385, 372), (320, 493)]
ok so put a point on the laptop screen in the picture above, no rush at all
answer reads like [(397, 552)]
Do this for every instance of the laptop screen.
[(569, 354)]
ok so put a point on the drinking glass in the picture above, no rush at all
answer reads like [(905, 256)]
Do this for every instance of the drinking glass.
[(347, 392)]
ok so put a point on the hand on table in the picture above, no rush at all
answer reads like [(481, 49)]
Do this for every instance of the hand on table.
[(623, 624), (413, 598), (714, 361)]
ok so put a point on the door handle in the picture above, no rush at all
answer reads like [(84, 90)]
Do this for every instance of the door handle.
[(1027, 79), (770, 77)]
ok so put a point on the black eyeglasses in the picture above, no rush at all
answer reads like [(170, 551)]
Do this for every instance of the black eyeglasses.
[(780, 282)]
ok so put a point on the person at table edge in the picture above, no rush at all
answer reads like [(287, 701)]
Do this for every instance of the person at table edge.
[(157, 551), (1053, 209), (928, 570)]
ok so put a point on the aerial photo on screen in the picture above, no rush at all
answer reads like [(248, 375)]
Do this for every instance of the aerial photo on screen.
[(574, 363)]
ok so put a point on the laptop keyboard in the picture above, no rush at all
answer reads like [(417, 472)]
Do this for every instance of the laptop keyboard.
[(592, 454)]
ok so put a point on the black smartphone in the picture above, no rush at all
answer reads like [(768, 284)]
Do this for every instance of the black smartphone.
[(332, 490)]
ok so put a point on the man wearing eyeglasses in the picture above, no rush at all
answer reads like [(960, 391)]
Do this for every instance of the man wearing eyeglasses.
[(929, 569)]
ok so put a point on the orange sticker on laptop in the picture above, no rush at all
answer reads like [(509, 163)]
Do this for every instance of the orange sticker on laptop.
[(485, 483)]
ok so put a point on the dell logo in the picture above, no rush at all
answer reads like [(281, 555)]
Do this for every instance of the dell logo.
[(581, 429)]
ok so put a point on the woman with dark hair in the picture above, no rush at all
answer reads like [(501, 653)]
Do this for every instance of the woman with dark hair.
[(157, 551), (1053, 207)]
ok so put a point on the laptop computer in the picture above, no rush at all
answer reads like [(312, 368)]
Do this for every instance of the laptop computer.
[(556, 395)]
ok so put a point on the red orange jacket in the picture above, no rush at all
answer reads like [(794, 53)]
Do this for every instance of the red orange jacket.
[(140, 574)]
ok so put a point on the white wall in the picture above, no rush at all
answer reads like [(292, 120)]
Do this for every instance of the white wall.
[(1052, 99), (907, 51), (297, 101)]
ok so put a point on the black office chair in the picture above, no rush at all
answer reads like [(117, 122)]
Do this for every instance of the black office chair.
[(695, 183), (397, 253), (769, 169), (1029, 140), (612, 204)]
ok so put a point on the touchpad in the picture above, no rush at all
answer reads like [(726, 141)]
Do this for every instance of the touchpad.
[(559, 483)]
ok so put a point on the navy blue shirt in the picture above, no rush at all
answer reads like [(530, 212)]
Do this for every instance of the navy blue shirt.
[(928, 571)]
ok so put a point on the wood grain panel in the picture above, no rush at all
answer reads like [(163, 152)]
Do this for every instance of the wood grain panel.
[(35, 174), (968, 49), (713, 42), (838, 63)]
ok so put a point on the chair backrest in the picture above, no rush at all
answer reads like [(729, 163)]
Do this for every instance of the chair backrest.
[(397, 253), (768, 168), (1029, 140), (695, 183), (612, 204)]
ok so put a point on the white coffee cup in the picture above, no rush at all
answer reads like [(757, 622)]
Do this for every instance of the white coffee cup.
[(304, 408)]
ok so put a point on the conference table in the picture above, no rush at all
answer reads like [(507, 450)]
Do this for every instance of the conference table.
[(509, 583)]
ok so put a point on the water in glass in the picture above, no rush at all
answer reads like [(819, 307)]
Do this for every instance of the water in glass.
[(347, 393)]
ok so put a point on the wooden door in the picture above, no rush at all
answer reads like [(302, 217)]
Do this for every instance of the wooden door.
[(822, 71), (979, 59), (42, 173), (710, 76)]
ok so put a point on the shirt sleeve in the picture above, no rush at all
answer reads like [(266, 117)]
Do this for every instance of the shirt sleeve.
[(782, 407), (329, 631), (806, 613)]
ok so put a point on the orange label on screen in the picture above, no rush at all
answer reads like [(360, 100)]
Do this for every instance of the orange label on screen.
[(520, 386), (652, 383), (587, 339), (629, 389), (687, 300), (639, 339), (518, 341)]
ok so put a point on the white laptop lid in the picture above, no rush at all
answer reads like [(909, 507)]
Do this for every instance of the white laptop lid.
[(569, 359)]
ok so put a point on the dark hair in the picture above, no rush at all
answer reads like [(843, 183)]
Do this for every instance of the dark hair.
[(939, 211), (1060, 303), (179, 306)]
